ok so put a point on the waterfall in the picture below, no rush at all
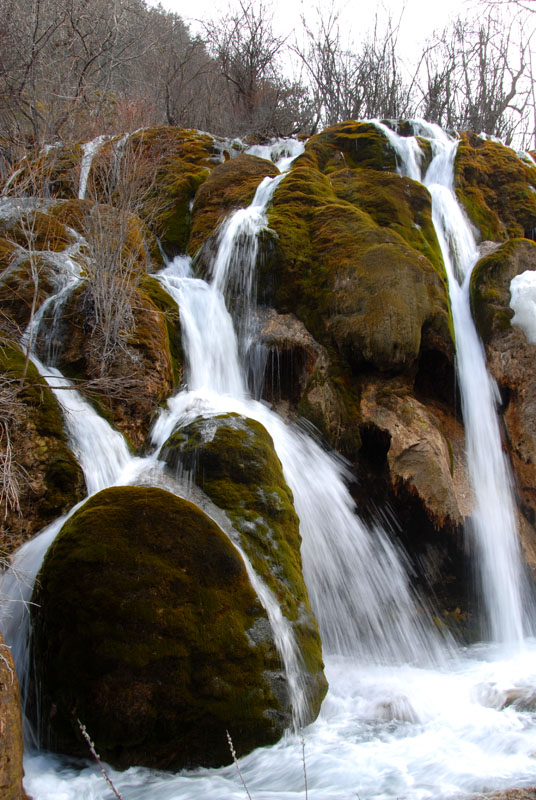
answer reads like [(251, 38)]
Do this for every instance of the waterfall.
[(90, 149), (404, 716), (493, 520), (358, 582)]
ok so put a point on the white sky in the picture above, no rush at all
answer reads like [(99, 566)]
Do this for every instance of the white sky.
[(419, 17)]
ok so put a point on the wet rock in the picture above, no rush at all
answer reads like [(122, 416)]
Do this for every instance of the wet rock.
[(512, 362), (419, 455), (49, 478), (232, 459), (496, 187), (11, 752)]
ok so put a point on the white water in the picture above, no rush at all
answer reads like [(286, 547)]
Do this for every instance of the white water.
[(493, 519), (89, 151), (386, 730)]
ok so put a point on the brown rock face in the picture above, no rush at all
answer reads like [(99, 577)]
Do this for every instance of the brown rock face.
[(420, 455), (11, 751)]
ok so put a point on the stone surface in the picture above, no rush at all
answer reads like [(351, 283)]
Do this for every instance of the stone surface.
[(11, 750)]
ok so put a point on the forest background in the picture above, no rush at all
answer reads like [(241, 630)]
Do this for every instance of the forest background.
[(74, 69)]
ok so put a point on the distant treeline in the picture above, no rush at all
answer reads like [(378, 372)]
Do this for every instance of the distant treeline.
[(73, 69)]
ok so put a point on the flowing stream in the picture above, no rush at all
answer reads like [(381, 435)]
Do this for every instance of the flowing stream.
[(407, 714)]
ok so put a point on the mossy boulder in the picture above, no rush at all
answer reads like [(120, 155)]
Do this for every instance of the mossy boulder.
[(25, 283), (490, 285), (37, 230), (230, 186), (511, 360), (52, 172), (354, 255), (496, 187), (147, 629), (50, 479), (350, 145), (232, 458)]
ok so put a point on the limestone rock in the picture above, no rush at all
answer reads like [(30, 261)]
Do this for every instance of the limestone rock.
[(231, 185), (496, 187), (512, 362), (419, 455)]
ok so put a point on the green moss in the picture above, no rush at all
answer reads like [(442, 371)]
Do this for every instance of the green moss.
[(350, 145), (364, 278), (42, 434), (53, 172), (168, 307), (490, 285), (231, 185), (395, 202), (232, 459), (158, 655), (496, 187)]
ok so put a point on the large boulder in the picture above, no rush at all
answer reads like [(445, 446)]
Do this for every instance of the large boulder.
[(11, 771), (232, 459), (137, 376), (355, 257), (147, 630)]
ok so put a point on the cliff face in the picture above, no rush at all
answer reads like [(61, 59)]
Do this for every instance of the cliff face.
[(354, 318)]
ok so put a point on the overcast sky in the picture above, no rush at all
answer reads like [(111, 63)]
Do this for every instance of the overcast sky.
[(419, 18)]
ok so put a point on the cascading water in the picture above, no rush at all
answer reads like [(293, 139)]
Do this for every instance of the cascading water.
[(493, 518), (385, 731)]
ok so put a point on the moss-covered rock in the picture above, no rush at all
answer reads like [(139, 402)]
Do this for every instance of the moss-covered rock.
[(165, 167), (496, 187), (349, 144), (37, 230), (394, 202), (490, 285), (233, 460), (50, 479), (369, 283), (512, 362), (146, 628), (230, 186), (52, 172)]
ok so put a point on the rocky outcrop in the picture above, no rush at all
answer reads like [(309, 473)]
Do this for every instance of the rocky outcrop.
[(165, 646), (232, 459), (136, 377), (496, 187), (11, 771), (420, 455), (48, 476)]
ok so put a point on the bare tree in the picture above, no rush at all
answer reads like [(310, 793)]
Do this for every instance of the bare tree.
[(349, 83), (476, 76)]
